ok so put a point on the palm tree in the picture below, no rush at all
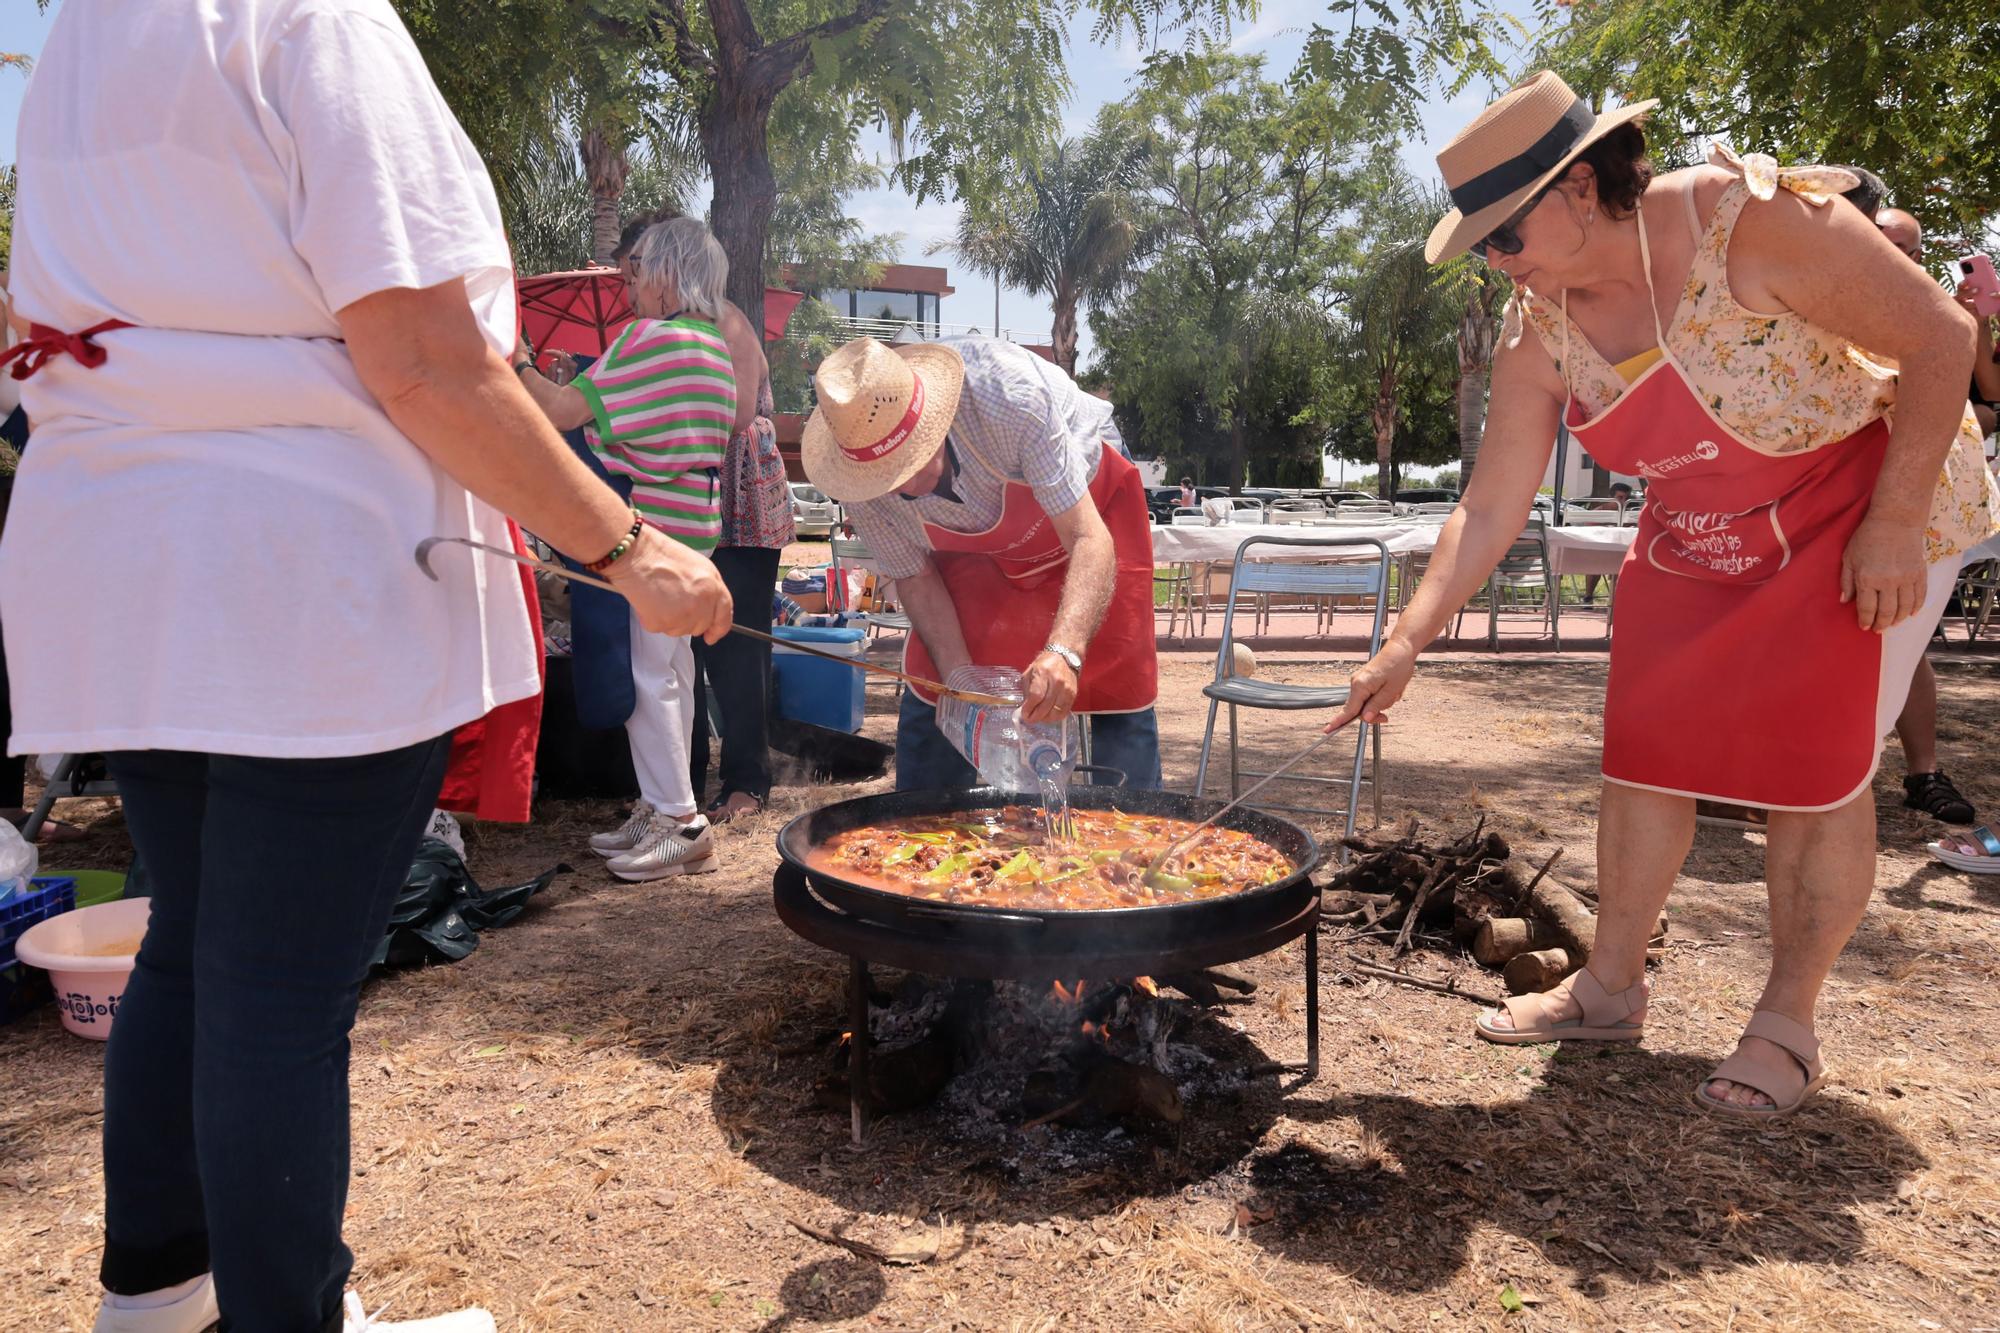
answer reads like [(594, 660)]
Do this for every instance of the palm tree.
[(1401, 315), (606, 166), (1483, 292), (1071, 232)]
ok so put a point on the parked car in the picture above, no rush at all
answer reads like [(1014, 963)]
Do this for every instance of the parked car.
[(814, 514), (1333, 499), (1437, 496)]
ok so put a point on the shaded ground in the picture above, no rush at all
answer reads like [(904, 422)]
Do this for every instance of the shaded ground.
[(604, 1119)]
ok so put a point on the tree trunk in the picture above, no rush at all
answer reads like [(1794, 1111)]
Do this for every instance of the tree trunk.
[(605, 167), (1239, 452), (1478, 327), (1062, 334), (735, 139), (1384, 415)]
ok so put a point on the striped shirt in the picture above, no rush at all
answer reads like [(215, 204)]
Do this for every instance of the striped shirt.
[(664, 401)]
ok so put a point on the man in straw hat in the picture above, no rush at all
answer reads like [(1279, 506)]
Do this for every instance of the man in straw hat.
[(990, 487)]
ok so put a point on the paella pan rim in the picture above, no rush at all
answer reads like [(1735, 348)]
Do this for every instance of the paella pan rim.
[(1233, 911)]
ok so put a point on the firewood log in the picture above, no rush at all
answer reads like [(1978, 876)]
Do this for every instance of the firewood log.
[(1566, 918), (1536, 971), (1504, 938)]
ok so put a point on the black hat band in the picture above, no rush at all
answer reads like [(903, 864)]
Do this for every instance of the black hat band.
[(1490, 187)]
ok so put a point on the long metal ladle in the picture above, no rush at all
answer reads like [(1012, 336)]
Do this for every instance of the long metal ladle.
[(1263, 782), (425, 547)]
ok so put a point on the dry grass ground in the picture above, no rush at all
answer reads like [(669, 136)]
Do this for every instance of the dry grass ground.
[(604, 1119)]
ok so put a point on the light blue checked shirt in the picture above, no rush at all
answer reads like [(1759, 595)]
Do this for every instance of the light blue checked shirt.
[(1024, 419)]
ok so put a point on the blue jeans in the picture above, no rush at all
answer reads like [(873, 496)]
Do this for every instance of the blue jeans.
[(925, 760), (225, 1086)]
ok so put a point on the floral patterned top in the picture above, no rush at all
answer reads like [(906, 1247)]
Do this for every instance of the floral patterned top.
[(1781, 383)]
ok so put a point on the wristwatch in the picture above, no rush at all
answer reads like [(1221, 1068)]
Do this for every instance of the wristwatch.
[(1069, 655)]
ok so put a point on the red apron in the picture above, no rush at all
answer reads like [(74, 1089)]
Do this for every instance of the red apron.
[(1007, 583), (491, 770), (1737, 674)]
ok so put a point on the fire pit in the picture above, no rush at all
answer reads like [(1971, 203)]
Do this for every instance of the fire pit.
[(873, 926)]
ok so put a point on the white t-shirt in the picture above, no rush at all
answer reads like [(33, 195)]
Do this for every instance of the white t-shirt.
[(210, 543)]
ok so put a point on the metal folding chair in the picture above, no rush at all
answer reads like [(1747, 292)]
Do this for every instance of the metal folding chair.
[(1978, 588), (1367, 578), (1522, 573)]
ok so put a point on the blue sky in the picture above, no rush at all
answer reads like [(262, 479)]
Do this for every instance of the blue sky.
[(1099, 74)]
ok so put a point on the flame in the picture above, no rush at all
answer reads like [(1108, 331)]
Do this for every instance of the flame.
[(1146, 984), (846, 1037), (1102, 1034), (1067, 995)]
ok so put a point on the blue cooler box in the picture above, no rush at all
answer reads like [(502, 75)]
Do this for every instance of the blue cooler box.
[(825, 694)]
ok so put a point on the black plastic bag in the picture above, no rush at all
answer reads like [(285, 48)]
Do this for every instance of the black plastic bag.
[(441, 909)]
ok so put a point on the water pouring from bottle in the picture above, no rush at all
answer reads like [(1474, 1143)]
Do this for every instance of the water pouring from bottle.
[(1010, 754)]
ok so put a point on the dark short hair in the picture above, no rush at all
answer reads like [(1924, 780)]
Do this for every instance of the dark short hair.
[(1623, 169), (1870, 195), (1187, 481), (637, 227), (1621, 485)]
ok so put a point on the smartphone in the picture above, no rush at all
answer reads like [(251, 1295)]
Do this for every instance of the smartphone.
[(1977, 280)]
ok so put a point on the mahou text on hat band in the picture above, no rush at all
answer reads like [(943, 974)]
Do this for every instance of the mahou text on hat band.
[(893, 441)]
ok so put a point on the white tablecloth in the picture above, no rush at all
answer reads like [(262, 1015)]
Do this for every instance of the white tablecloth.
[(1587, 550)]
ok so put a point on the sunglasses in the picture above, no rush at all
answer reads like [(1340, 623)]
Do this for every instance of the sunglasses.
[(1505, 239)]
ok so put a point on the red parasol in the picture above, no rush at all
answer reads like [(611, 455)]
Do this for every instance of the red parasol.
[(580, 311), (584, 310)]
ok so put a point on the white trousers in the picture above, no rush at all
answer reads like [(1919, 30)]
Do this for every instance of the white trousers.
[(661, 728)]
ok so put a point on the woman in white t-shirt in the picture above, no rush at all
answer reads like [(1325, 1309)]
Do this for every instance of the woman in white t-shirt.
[(299, 303)]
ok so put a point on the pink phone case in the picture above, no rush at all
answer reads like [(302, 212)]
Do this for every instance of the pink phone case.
[(1977, 278)]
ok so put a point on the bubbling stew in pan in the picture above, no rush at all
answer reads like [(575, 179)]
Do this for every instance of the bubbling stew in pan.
[(1003, 858)]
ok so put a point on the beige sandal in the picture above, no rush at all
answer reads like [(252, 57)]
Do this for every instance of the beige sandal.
[(1605, 1016), (1758, 1071)]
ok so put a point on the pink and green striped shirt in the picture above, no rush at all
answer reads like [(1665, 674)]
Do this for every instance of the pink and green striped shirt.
[(664, 399)]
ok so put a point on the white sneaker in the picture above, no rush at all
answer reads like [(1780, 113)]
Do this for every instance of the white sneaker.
[(191, 1313), (673, 845), (627, 836), (356, 1319)]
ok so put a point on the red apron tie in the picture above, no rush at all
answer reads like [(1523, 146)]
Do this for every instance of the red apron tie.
[(42, 343)]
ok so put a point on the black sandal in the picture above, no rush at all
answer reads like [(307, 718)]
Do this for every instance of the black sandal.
[(719, 812), (1934, 794)]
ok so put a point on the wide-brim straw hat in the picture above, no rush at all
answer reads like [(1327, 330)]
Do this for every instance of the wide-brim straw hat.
[(1516, 146), (883, 413)]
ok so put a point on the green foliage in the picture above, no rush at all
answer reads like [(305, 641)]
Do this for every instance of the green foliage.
[(813, 331), (1909, 88), (8, 183), (1070, 230), (548, 208), (1223, 353)]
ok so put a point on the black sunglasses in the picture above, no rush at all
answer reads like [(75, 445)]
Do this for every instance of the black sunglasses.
[(1504, 238)]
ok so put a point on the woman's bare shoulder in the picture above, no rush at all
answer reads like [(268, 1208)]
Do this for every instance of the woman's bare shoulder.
[(1707, 180)]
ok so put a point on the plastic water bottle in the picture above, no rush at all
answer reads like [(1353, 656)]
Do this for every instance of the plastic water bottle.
[(1010, 754)]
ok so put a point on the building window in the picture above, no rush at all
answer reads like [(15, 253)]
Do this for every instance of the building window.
[(895, 307)]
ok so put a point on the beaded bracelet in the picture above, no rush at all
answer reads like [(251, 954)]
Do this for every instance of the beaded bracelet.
[(625, 543)]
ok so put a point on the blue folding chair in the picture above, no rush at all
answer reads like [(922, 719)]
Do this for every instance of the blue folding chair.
[(1355, 579)]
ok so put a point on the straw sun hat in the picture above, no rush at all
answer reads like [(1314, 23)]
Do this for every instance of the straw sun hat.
[(1516, 146), (883, 412)]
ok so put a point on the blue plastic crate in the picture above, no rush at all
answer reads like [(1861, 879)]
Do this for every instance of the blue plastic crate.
[(22, 988)]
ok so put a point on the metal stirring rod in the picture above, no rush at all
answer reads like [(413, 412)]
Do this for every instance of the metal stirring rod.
[(1266, 780), (425, 547)]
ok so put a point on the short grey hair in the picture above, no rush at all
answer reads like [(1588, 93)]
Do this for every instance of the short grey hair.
[(682, 250)]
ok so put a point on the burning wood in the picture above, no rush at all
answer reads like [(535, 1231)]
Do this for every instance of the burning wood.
[(1538, 930)]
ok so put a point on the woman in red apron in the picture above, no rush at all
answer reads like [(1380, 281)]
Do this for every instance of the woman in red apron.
[(1796, 546), (1004, 591)]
